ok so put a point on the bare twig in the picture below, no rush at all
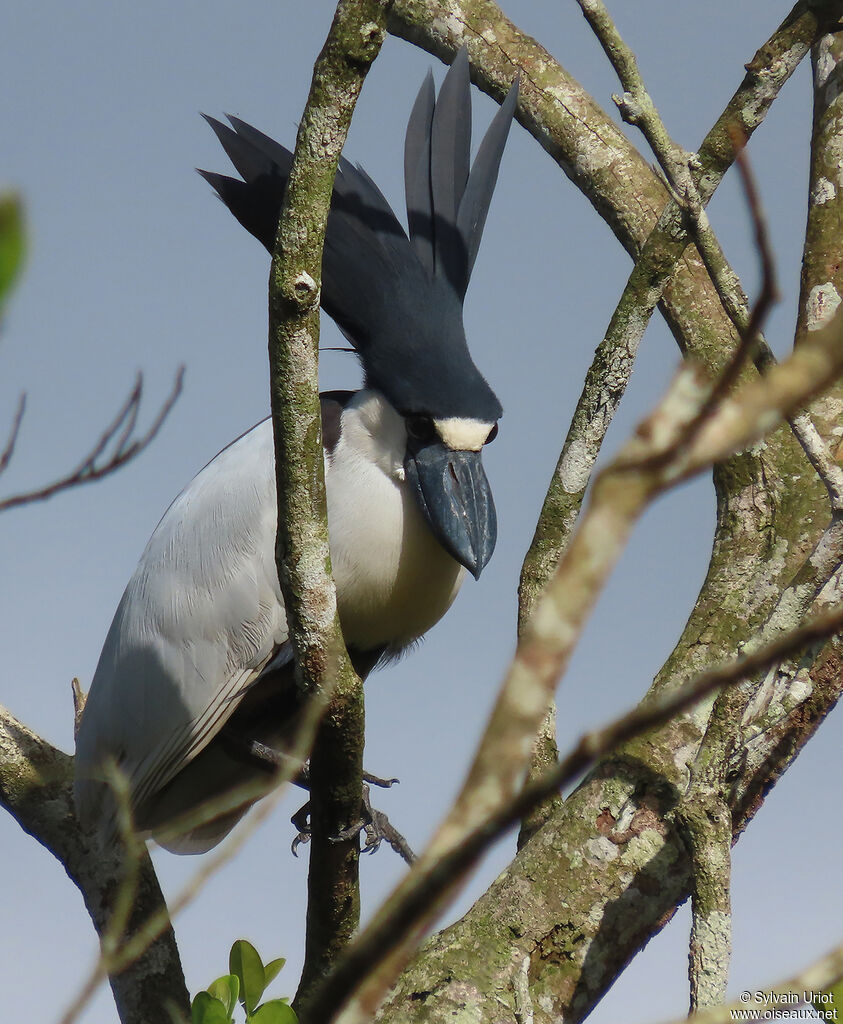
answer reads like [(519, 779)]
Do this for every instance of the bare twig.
[(114, 449), (636, 107), (9, 448)]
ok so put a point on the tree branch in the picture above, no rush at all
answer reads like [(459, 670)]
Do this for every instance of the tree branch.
[(353, 43), (36, 781)]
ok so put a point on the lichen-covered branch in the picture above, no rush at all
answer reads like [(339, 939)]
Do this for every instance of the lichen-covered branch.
[(12, 438), (586, 751), (36, 788), (353, 42)]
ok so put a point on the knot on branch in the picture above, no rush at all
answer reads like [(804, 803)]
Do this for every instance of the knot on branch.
[(301, 292), (630, 107), (372, 35), (304, 285)]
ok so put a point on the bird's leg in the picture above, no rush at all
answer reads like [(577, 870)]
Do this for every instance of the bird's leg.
[(377, 827), (267, 758), (373, 823)]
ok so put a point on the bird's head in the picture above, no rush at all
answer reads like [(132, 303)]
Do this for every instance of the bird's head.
[(444, 467), (398, 296)]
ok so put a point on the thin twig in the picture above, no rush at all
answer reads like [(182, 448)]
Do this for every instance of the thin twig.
[(117, 437), (9, 449), (636, 107)]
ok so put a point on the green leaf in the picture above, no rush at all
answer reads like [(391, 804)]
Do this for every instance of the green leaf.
[(12, 242), (273, 969), (245, 962), (207, 1009), (275, 1011), (227, 990)]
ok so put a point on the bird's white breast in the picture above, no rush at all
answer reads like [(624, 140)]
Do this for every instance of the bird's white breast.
[(394, 580)]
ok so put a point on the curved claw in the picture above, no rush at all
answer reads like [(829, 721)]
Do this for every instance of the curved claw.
[(353, 830), (372, 822), (375, 780), (302, 837)]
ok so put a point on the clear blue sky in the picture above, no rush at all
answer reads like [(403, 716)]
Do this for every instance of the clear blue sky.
[(134, 264)]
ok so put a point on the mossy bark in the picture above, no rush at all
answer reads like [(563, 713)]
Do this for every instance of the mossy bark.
[(325, 671), (36, 787)]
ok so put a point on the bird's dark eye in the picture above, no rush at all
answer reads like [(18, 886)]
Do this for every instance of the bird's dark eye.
[(420, 428), (493, 433)]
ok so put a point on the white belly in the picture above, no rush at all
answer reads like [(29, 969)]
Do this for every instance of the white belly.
[(394, 580)]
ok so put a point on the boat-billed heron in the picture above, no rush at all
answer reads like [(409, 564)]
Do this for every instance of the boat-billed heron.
[(197, 657)]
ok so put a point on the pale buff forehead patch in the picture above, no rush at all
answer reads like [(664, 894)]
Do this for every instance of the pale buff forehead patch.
[(463, 435)]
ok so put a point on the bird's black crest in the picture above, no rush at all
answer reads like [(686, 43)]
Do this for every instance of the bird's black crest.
[(398, 300)]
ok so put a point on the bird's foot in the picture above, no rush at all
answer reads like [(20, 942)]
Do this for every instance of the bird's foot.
[(374, 825)]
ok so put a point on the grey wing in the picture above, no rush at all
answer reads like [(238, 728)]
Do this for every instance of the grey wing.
[(200, 619)]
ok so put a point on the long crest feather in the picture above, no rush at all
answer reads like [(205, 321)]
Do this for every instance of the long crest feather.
[(447, 199), (450, 159), (417, 174), (477, 197)]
